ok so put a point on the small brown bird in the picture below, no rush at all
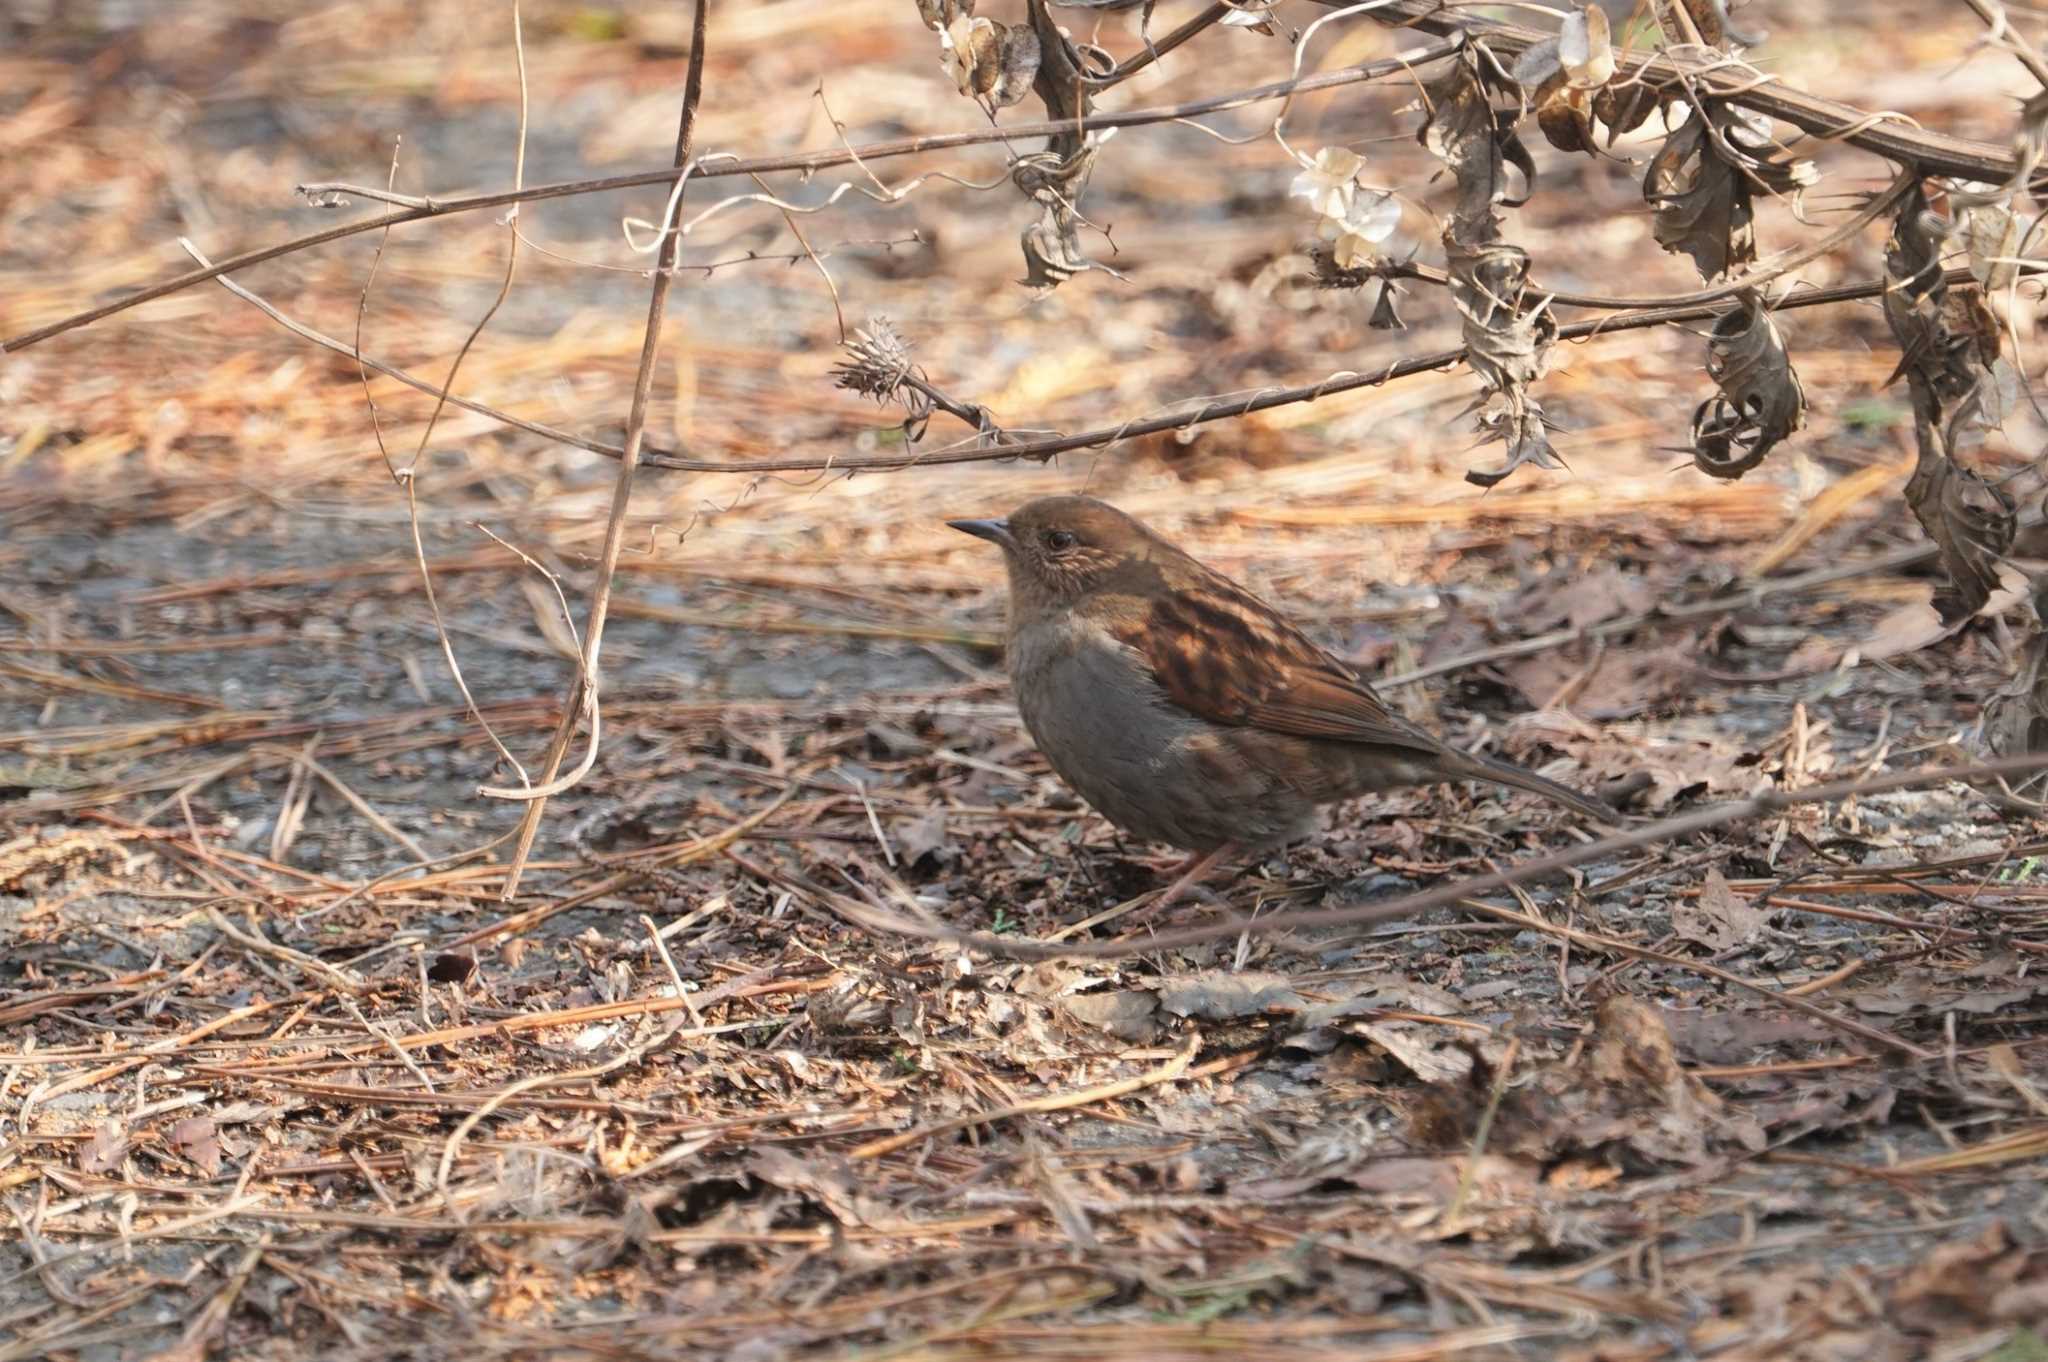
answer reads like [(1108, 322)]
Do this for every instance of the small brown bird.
[(1185, 709)]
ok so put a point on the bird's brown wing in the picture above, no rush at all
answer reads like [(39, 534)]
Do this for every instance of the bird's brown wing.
[(1219, 652)]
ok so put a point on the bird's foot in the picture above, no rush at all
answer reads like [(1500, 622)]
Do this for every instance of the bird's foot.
[(1188, 884)]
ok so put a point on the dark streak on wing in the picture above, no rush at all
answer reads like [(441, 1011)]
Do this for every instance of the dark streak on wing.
[(1223, 654)]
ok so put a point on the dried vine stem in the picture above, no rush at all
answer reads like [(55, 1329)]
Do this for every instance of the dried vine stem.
[(1933, 152), (977, 449), (583, 694), (1888, 135)]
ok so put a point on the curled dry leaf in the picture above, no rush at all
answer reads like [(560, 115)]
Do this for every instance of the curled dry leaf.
[(1507, 334), (1700, 182), (991, 60), (1992, 233), (1052, 245), (1255, 15), (1464, 131), (1562, 76), (1761, 401), (1948, 342), (2016, 718), (1057, 177), (940, 14)]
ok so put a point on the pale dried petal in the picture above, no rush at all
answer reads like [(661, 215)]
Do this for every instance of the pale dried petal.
[(1584, 50)]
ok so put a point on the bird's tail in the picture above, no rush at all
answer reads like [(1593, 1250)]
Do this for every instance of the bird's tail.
[(1505, 773)]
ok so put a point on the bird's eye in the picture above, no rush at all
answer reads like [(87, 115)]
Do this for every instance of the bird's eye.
[(1059, 541)]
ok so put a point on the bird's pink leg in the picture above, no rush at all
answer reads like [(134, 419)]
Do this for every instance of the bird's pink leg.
[(1192, 872)]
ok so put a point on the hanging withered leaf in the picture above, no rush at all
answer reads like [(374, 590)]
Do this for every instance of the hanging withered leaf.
[(991, 60), (1052, 245), (1972, 521), (1253, 15), (938, 15), (1624, 108), (1478, 142), (1949, 342), (1992, 232), (1507, 336), (1760, 402), (1507, 347), (1384, 317), (1700, 184), (1517, 420), (2016, 718)]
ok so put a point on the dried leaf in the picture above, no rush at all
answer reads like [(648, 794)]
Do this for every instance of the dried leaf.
[(1700, 182), (1581, 599), (105, 1150), (1719, 918), (1585, 50), (2016, 718), (1761, 401), (1384, 317), (922, 836), (1740, 1037), (1052, 245), (1992, 232), (1218, 996), (1128, 1014), (1948, 343), (825, 1182), (1625, 108), (1427, 1052), (1628, 1092), (1016, 66), (1702, 203), (940, 14), (1464, 131), (197, 1139)]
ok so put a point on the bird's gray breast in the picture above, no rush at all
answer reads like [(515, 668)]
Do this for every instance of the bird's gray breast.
[(1147, 765)]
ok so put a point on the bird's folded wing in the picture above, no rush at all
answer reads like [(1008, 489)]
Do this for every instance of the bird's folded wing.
[(1223, 654)]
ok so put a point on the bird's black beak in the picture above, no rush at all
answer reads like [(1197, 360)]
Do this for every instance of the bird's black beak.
[(995, 531)]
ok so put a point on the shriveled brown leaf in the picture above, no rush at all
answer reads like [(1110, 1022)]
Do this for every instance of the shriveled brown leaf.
[(197, 1139), (1701, 183), (1761, 401), (1215, 995), (1719, 918), (1948, 343), (1128, 1014), (1626, 1093), (1428, 1052), (826, 1182), (105, 1150)]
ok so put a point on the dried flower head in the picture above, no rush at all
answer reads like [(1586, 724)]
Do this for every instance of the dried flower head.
[(878, 360)]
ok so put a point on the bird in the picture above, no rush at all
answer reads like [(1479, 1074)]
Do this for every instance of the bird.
[(1186, 710)]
